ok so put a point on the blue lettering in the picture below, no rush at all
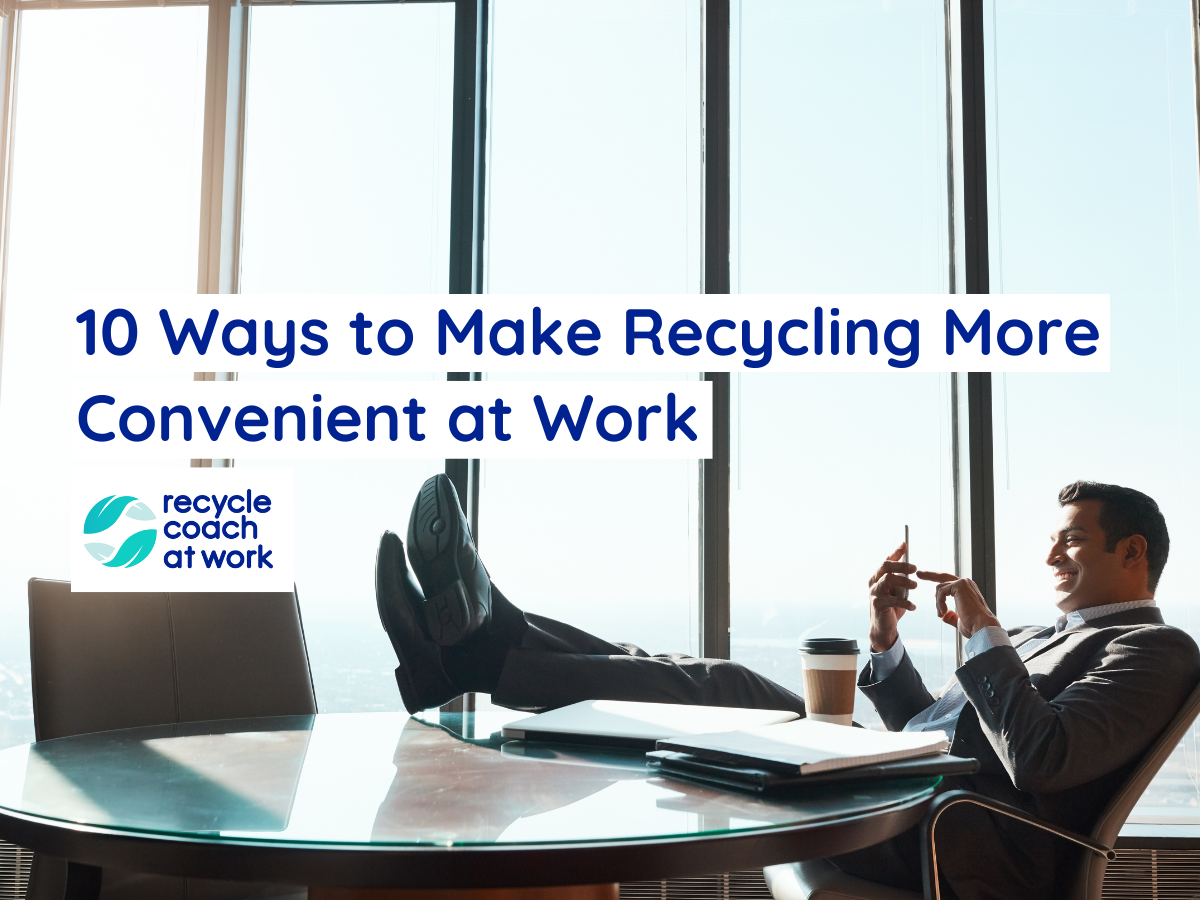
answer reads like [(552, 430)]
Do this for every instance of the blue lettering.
[(542, 336), (476, 433), (1081, 330), (1026, 337), (764, 352), (911, 350), (583, 330), (710, 337), (783, 341), (626, 423), (517, 348), (574, 426), (983, 324), (250, 347), (383, 333), (632, 333), (678, 423), (100, 436), (250, 417), (475, 324), (189, 330)]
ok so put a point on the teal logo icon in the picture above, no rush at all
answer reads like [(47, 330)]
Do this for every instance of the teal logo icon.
[(119, 522)]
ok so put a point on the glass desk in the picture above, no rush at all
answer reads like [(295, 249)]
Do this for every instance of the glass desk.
[(378, 800)]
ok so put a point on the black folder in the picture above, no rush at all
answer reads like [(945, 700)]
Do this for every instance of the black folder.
[(747, 778)]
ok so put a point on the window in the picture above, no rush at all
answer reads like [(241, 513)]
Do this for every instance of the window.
[(348, 191), (839, 168), (594, 186), (610, 546), (1093, 188), (348, 149), (105, 197), (594, 147)]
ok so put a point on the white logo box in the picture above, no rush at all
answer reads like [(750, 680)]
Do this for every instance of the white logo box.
[(223, 529)]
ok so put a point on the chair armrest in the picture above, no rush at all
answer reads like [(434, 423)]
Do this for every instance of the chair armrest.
[(942, 802)]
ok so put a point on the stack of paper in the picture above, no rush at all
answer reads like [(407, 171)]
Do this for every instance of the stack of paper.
[(805, 747), (637, 725), (750, 749)]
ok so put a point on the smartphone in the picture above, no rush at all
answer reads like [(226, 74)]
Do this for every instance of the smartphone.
[(906, 552)]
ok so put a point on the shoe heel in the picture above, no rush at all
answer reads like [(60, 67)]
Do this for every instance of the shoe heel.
[(448, 616), (408, 690)]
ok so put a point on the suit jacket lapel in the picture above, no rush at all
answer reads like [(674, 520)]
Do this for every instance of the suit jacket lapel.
[(1145, 615), (1059, 638)]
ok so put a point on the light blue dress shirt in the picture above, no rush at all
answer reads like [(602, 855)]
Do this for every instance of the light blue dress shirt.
[(943, 714)]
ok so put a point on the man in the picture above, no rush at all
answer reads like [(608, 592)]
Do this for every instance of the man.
[(1057, 716)]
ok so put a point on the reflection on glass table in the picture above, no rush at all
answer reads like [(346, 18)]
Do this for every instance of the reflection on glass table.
[(385, 779)]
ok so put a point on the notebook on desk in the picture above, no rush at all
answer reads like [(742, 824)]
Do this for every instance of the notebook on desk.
[(621, 723), (760, 780), (804, 747)]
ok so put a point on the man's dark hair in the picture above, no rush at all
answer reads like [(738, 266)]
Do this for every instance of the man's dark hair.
[(1125, 512)]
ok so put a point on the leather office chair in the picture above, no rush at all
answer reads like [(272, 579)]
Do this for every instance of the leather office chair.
[(122, 660), (818, 879)]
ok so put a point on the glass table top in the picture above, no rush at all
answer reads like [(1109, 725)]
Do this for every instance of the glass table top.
[(389, 779)]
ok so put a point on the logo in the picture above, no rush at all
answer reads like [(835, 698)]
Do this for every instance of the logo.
[(119, 520)]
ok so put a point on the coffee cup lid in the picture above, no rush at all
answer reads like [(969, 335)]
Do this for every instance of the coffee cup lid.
[(829, 646)]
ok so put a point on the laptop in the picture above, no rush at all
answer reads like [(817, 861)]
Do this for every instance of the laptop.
[(635, 725)]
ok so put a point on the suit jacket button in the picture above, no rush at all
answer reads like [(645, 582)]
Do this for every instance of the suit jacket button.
[(993, 701), (989, 693), (982, 679)]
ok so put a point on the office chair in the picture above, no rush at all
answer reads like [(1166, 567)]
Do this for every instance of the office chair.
[(103, 661), (819, 879)]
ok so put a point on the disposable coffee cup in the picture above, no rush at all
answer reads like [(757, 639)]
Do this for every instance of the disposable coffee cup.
[(830, 667)]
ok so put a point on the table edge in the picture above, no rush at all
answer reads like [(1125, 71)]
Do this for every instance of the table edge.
[(460, 866)]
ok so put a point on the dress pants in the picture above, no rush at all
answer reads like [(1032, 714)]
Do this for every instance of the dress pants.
[(557, 664)]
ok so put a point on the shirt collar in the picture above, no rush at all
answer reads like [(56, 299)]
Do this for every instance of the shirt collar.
[(1079, 616)]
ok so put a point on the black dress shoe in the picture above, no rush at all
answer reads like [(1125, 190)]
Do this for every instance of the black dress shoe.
[(458, 592), (423, 682)]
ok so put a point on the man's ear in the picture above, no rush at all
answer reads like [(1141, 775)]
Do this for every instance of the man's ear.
[(1134, 550)]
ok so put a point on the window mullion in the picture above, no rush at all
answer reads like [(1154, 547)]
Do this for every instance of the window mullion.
[(223, 155), (10, 31), (975, 215), (714, 472)]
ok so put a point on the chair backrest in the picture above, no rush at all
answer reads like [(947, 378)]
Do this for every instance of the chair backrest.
[(120, 660), (1108, 826)]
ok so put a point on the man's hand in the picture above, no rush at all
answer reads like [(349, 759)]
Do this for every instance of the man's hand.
[(888, 602), (971, 611)]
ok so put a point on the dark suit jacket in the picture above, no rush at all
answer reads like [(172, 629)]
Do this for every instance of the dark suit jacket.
[(1055, 734)]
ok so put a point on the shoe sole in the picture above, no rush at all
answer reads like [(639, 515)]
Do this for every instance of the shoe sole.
[(435, 528)]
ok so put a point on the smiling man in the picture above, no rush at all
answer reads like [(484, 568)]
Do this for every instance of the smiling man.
[(1057, 716)]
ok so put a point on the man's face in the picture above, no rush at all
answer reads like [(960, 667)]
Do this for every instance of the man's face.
[(1084, 574)]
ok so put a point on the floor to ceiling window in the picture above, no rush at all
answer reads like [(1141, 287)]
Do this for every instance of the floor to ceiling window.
[(840, 186), (347, 185), (594, 186), (1092, 179), (105, 197)]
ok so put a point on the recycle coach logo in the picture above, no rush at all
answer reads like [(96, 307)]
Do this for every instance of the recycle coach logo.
[(119, 524)]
